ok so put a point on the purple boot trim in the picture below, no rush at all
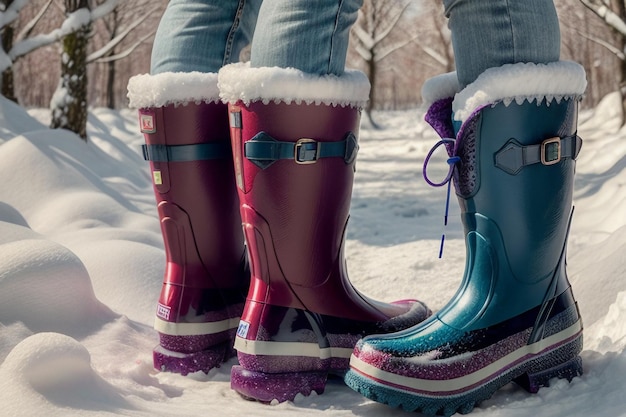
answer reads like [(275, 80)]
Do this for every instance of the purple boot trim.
[(186, 363), (265, 387), (439, 117)]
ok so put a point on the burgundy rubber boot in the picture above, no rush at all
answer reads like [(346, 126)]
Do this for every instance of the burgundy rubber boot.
[(294, 165), (206, 275)]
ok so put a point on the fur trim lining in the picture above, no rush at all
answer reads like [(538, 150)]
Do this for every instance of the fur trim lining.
[(439, 87), (240, 82), (178, 88), (521, 82)]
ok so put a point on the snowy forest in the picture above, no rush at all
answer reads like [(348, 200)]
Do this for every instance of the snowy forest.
[(398, 44), (82, 257)]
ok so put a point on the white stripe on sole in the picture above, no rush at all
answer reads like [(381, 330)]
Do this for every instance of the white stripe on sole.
[(443, 387)]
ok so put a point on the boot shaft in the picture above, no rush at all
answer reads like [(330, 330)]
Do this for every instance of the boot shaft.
[(294, 163), (308, 199), (529, 202), (188, 148), (514, 161)]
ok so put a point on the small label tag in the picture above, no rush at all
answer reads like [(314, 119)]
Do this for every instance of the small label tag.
[(146, 123), (163, 311), (156, 177), (242, 330)]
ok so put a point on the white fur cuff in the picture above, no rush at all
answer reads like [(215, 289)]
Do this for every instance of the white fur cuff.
[(172, 88), (240, 82)]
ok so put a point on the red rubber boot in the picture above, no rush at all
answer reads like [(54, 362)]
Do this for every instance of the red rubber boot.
[(295, 167), (206, 276)]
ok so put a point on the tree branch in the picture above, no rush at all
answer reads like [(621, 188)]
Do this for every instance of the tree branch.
[(604, 12), (97, 55)]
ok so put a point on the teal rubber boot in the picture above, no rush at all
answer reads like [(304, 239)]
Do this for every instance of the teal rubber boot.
[(514, 317)]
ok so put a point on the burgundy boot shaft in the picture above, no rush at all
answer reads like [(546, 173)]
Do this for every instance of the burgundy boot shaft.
[(295, 212), (196, 198), (206, 275), (295, 163)]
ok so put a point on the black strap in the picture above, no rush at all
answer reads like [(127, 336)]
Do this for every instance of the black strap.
[(513, 156), (263, 150), (186, 153)]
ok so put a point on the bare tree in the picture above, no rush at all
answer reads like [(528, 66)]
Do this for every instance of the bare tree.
[(10, 10), (69, 103), (373, 40), (613, 14), (7, 33), (123, 23)]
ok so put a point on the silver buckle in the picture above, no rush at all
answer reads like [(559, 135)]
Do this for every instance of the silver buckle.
[(551, 151), (306, 151)]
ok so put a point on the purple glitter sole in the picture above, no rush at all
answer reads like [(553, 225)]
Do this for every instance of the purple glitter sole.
[(561, 363), (266, 388), (186, 363)]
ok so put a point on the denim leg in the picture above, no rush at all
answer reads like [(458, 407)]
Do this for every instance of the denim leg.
[(202, 35), (309, 35), (491, 33)]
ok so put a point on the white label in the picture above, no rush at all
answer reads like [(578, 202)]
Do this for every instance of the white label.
[(242, 330), (163, 311)]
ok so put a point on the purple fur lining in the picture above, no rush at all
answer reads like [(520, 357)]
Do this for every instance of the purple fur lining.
[(438, 116)]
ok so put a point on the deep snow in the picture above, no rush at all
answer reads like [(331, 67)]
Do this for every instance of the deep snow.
[(81, 262)]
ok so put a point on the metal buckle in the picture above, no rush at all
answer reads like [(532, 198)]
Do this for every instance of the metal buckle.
[(551, 151), (307, 151)]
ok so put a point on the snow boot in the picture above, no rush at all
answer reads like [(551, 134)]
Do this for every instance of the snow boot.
[(294, 139), (206, 275), (514, 317)]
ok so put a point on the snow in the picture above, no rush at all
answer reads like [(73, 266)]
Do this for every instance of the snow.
[(81, 263)]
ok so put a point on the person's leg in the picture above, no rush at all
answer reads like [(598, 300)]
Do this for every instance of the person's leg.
[(311, 36), (491, 33), (188, 146), (202, 35)]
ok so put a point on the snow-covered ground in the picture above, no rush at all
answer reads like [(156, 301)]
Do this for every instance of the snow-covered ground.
[(81, 263)]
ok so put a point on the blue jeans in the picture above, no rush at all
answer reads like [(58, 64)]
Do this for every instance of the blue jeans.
[(204, 35), (312, 35), (491, 33)]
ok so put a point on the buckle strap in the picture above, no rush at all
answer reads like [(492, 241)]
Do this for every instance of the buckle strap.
[(186, 153), (513, 156), (263, 150)]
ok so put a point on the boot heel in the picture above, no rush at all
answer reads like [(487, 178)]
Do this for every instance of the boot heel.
[(184, 363), (267, 387), (532, 381)]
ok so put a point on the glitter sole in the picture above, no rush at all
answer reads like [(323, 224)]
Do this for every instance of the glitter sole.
[(188, 354), (562, 362)]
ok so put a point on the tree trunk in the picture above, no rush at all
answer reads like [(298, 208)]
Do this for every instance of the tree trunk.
[(372, 73), (69, 103), (620, 8), (111, 84), (8, 85), (111, 65)]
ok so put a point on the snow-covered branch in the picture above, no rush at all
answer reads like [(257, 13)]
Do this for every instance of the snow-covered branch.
[(28, 28), (72, 23), (12, 12)]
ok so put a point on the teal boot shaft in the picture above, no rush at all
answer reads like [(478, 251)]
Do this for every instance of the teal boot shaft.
[(516, 224)]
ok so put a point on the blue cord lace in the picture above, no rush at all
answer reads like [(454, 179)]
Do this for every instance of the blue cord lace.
[(452, 160)]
